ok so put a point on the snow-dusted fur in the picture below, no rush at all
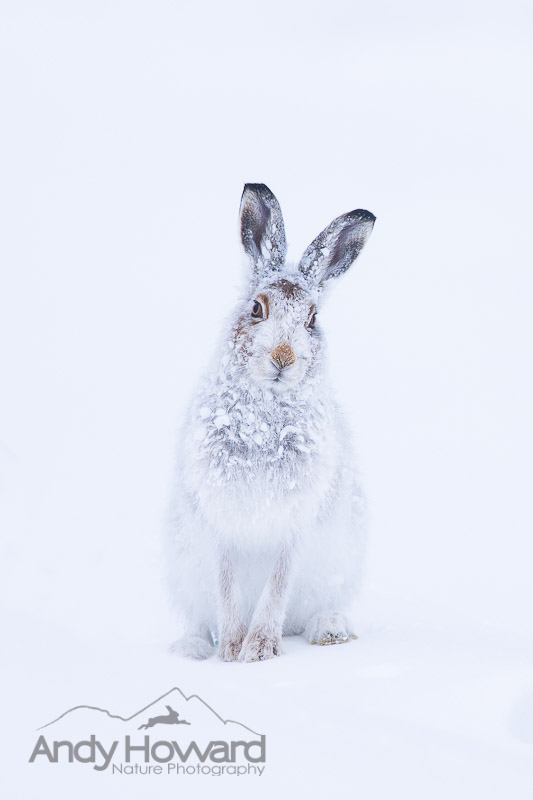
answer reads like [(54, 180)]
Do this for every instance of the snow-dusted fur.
[(267, 517)]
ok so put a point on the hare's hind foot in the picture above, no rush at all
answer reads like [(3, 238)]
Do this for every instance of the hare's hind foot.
[(328, 628), (192, 647)]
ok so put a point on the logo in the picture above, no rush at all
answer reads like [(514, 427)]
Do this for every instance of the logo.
[(173, 735)]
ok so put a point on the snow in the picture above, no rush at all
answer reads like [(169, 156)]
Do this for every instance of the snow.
[(401, 709), (128, 135)]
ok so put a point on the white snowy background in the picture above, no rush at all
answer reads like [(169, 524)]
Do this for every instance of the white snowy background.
[(128, 130)]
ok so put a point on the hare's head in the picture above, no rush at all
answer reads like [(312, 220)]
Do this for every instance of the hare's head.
[(277, 333)]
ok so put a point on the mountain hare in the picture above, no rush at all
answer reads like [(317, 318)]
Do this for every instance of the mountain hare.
[(267, 518)]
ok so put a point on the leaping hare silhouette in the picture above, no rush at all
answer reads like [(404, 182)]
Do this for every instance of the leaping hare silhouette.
[(172, 718)]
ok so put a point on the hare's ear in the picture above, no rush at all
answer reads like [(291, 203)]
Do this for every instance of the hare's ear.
[(262, 228), (337, 247)]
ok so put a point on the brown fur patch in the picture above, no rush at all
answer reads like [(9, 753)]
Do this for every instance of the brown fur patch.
[(264, 300), (240, 333), (240, 327), (287, 288)]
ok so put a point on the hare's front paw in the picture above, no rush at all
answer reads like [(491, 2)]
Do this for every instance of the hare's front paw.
[(328, 628), (259, 645), (230, 645)]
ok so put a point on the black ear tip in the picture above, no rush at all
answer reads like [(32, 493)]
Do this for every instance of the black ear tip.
[(260, 189), (361, 215)]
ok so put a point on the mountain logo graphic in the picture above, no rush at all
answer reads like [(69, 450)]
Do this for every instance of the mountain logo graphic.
[(175, 693), (175, 734)]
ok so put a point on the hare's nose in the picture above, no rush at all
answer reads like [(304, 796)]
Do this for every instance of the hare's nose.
[(283, 356)]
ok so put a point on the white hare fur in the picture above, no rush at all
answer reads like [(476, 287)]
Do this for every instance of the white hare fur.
[(267, 519)]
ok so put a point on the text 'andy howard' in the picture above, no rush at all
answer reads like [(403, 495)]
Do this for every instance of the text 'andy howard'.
[(92, 751)]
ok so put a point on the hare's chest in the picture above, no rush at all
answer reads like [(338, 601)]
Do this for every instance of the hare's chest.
[(258, 451), (264, 477)]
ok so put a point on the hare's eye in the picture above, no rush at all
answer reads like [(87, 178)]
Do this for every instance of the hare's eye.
[(312, 320), (257, 310)]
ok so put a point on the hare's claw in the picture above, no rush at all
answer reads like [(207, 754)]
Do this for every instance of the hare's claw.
[(260, 645), (230, 646)]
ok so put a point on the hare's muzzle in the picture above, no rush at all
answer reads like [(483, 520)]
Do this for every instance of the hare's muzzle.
[(283, 356)]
